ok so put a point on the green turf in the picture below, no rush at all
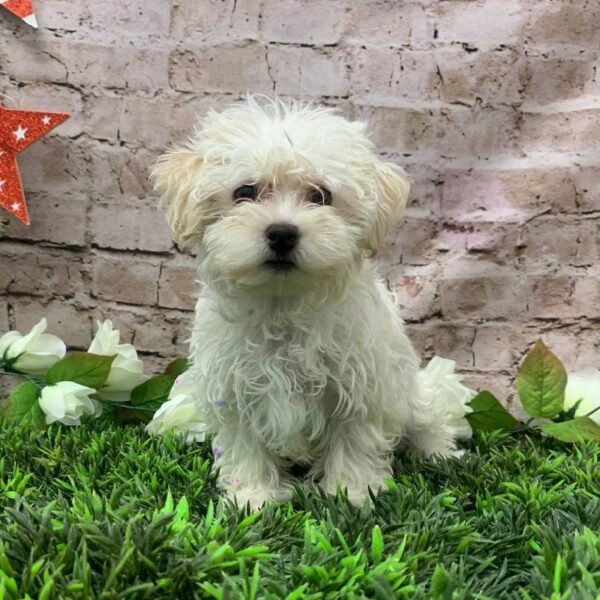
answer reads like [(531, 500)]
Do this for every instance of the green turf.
[(83, 516)]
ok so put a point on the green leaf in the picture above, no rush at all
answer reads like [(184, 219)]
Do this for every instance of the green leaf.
[(376, 544), (488, 414), (182, 510), (83, 368), (297, 593), (155, 389), (148, 397), (440, 582), (541, 382), (579, 429), (176, 368), (23, 406), (168, 507), (182, 515)]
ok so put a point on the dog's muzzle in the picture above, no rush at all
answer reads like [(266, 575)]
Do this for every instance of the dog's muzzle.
[(282, 238)]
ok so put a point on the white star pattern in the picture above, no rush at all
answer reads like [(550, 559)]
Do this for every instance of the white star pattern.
[(2, 182), (2, 153), (20, 132), (15, 206), (46, 120)]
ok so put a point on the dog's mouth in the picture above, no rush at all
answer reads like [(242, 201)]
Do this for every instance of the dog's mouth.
[(280, 265)]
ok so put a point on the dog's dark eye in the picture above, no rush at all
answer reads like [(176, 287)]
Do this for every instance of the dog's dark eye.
[(320, 196), (246, 192)]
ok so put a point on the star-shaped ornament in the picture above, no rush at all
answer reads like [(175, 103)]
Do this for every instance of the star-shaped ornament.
[(19, 129), (23, 9)]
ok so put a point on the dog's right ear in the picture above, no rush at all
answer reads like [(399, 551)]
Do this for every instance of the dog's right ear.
[(174, 177)]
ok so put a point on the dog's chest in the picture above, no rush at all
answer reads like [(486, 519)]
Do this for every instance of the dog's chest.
[(282, 384)]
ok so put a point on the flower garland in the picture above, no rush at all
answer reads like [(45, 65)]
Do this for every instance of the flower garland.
[(106, 380), (109, 380)]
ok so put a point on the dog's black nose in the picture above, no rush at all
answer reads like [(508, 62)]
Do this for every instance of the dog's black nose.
[(282, 237)]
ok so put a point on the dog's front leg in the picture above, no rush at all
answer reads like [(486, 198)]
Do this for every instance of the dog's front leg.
[(356, 457), (249, 472)]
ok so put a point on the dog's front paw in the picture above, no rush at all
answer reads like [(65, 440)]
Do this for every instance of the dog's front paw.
[(255, 495), (451, 453), (357, 492)]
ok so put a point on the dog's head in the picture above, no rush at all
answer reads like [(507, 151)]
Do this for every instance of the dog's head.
[(278, 197)]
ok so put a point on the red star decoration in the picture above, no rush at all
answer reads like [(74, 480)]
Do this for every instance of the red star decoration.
[(19, 129), (23, 9)]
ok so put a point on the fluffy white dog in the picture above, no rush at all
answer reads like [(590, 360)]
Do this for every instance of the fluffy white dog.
[(298, 352)]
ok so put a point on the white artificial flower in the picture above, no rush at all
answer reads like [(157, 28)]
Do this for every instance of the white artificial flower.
[(180, 413), (126, 371), (584, 386), (67, 402), (35, 352), (439, 380)]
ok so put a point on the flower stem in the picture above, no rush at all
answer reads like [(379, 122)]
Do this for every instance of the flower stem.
[(121, 405), (35, 380)]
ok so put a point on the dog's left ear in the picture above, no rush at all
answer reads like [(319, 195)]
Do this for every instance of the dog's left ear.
[(392, 193)]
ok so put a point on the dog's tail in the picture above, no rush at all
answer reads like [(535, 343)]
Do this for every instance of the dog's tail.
[(439, 382)]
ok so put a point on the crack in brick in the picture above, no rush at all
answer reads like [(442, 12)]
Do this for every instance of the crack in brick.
[(269, 72)]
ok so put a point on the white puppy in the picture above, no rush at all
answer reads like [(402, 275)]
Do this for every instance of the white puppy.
[(298, 352)]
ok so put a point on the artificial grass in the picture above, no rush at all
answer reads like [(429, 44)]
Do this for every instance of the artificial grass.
[(83, 516)]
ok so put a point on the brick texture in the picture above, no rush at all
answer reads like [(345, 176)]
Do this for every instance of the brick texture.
[(492, 106)]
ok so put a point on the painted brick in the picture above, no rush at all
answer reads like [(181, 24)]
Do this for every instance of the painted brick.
[(59, 14), (215, 21), (26, 62), (394, 74), (516, 194), (126, 279), (564, 22), (134, 17), (499, 243), (60, 219), (410, 243), (573, 344), (587, 295), (498, 346), (559, 78), (164, 333), (390, 23), (308, 71), (451, 340), (476, 287), (415, 289), (138, 119), (89, 64), (322, 23), (50, 274), (566, 242), (559, 296), (490, 23), (98, 116), (551, 132), (178, 286), (231, 69), (500, 384), (4, 324), (453, 132), (70, 322), (482, 77), (122, 225)]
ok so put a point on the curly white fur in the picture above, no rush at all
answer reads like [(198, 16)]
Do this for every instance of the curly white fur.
[(309, 365)]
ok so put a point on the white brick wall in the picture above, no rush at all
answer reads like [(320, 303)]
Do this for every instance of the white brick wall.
[(493, 106)]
